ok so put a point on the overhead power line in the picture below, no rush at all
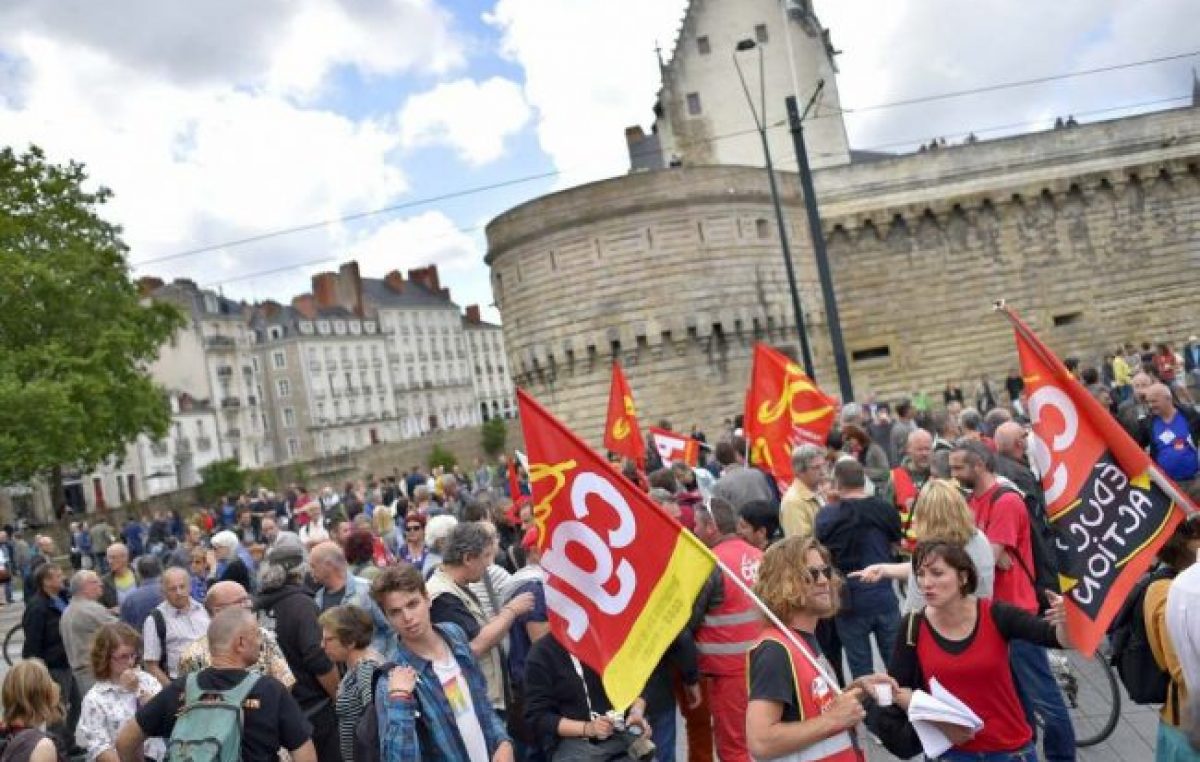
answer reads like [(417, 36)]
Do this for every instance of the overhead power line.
[(475, 190)]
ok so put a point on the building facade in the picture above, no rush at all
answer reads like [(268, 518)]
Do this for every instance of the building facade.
[(494, 391)]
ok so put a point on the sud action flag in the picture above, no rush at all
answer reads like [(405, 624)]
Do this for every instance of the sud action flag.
[(1107, 500), (622, 575), (784, 409), (621, 432), (672, 446)]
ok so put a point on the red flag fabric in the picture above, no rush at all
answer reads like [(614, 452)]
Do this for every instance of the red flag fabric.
[(1103, 492), (784, 409), (621, 432), (672, 446), (622, 575), (514, 480)]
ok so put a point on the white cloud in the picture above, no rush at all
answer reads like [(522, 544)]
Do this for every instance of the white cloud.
[(590, 71), (473, 118), (430, 237), (197, 117)]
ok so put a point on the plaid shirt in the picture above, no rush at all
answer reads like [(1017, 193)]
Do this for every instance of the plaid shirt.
[(401, 739)]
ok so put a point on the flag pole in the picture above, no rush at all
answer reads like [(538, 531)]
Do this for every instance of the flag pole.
[(766, 612), (1160, 480)]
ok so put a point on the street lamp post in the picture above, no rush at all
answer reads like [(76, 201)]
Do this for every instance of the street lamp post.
[(760, 125), (795, 118)]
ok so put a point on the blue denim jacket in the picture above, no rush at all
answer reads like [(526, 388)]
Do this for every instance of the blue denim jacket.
[(358, 593), (398, 737)]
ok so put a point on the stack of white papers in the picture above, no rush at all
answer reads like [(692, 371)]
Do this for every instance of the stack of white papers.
[(939, 705)]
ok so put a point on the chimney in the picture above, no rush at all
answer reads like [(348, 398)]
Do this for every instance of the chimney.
[(394, 282), (634, 135), (148, 285), (325, 290), (473, 314), (427, 277), (349, 288), (306, 305)]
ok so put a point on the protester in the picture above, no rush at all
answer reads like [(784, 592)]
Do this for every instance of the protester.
[(120, 580), (360, 551), (225, 564), (142, 599), (965, 643), (271, 718), (43, 635), (120, 689), (794, 707), (873, 458), (1176, 556), (470, 549), (81, 619), (31, 703), (1003, 517), (739, 484), (197, 656), (1183, 631), (802, 500), (284, 596), (346, 635), (1171, 435), (942, 514), (417, 711), (172, 626), (860, 530), (336, 587), (758, 523), (905, 482), (728, 629), (527, 629)]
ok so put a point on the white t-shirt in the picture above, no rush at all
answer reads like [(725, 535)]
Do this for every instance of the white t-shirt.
[(1183, 622), (458, 695)]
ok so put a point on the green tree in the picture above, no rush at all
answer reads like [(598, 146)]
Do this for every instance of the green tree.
[(493, 436), (220, 478), (75, 339), (440, 456)]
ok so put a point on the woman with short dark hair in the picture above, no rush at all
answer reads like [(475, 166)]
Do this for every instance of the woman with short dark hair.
[(963, 642), (346, 633)]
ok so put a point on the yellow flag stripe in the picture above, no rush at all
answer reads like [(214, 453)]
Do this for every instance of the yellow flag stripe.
[(666, 612)]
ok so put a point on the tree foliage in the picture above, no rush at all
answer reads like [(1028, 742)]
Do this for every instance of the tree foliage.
[(75, 340), (220, 478), (440, 456), (493, 436)]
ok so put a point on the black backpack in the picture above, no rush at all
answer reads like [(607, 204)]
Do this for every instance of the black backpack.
[(1146, 682), (366, 730), (1044, 574)]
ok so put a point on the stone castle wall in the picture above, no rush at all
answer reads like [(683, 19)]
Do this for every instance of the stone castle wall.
[(1091, 233)]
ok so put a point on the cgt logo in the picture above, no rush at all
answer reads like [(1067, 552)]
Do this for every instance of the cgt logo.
[(1048, 447), (591, 581)]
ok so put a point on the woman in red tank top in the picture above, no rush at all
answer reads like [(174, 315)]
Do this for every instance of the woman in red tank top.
[(962, 641)]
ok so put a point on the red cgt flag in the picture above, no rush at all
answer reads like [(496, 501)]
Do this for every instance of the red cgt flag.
[(672, 446), (621, 432), (784, 409), (1110, 506), (616, 600)]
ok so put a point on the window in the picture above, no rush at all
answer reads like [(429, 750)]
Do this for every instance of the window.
[(289, 418), (703, 45), (284, 388), (871, 353), (762, 229), (279, 360), (760, 33), (254, 363), (693, 104), (293, 447), (1068, 318), (275, 333)]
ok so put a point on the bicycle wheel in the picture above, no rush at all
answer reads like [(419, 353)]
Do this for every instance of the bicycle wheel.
[(1091, 693), (12, 646)]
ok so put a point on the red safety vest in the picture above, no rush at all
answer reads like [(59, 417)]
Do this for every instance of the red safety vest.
[(905, 489), (814, 695), (728, 631)]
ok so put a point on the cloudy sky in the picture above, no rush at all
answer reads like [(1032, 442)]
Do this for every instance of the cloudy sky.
[(224, 120)]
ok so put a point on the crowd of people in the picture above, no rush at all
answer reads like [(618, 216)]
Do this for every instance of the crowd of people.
[(406, 618)]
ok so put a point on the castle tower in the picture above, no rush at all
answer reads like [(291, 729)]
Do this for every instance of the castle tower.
[(702, 116)]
